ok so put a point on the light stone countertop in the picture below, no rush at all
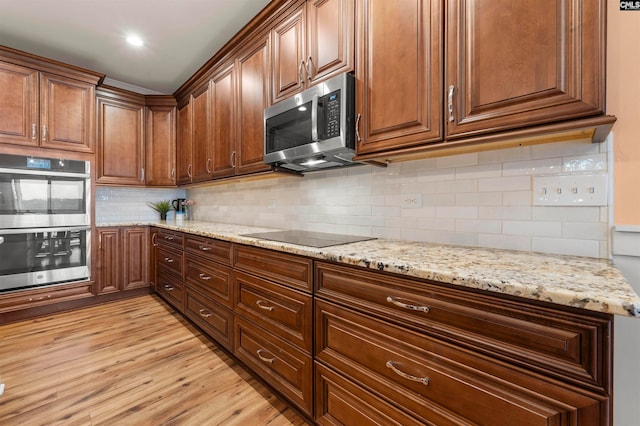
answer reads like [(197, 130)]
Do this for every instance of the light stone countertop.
[(581, 282)]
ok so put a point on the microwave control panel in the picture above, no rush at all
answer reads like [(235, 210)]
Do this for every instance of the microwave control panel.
[(332, 115)]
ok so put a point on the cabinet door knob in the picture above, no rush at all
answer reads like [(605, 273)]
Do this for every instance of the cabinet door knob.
[(358, 127), (168, 287), (203, 248), (168, 260), (204, 277), (204, 313), (450, 103)]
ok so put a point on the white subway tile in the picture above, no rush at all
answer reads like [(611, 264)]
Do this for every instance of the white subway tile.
[(511, 183), (437, 175), (479, 199), (478, 226), (590, 248), (461, 212), (585, 163), (481, 171), (520, 153), (564, 149), (506, 212), (570, 213), (516, 198), (460, 160), (585, 230), (532, 167), (531, 228), (507, 242)]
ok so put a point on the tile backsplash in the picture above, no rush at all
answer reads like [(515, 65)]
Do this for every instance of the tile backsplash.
[(477, 199), (118, 204)]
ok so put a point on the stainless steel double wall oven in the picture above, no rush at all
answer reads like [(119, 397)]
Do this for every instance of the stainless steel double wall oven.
[(45, 221)]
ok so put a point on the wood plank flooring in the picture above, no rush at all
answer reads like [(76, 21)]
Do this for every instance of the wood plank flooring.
[(131, 362)]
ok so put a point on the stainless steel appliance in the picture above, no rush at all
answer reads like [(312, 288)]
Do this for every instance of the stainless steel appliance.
[(45, 222), (313, 130)]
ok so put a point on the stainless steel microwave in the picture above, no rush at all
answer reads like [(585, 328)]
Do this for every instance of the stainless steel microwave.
[(314, 129)]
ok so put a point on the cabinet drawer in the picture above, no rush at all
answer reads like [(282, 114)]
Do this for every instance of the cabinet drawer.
[(566, 344), (170, 288), (282, 311), (288, 269), (170, 259), (211, 249), (211, 279), (212, 317), (43, 296), (286, 368), (170, 238), (338, 401), (428, 377)]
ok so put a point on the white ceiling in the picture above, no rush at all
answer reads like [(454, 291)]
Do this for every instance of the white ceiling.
[(180, 35)]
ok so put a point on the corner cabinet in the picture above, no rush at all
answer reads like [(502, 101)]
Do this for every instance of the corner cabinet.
[(160, 140), (512, 64), (120, 154), (46, 109)]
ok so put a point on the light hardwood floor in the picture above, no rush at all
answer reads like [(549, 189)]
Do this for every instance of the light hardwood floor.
[(131, 362)]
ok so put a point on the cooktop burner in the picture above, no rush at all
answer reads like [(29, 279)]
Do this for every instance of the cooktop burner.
[(308, 238)]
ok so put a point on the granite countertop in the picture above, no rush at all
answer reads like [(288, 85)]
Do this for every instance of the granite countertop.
[(581, 282)]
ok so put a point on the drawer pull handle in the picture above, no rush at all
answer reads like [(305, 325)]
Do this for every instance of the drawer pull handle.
[(204, 277), (31, 299), (423, 380), (204, 248), (269, 360), (396, 301), (204, 313), (169, 238), (168, 287), (169, 260), (261, 305)]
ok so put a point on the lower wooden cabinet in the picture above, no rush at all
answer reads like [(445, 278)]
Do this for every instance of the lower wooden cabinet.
[(123, 259), (171, 288), (285, 367), (431, 379), (210, 316)]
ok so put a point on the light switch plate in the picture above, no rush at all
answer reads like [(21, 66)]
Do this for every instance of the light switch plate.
[(411, 201), (571, 190)]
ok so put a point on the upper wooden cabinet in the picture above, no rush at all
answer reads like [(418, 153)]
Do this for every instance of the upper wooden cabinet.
[(312, 44), (202, 154), (507, 66), (136, 138), (398, 70), (46, 104), (223, 102), (120, 137), (160, 141), (252, 94), (512, 64), (184, 147)]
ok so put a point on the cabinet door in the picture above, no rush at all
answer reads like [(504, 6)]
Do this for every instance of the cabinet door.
[(184, 148), (67, 113), (201, 121), (135, 261), (511, 64), (108, 260), (330, 29), (18, 105), (120, 142), (223, 119), (160, 165), (253, 98), (289, 55), (399, 79)]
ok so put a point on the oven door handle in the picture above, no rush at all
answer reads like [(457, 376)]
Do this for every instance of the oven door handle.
[(33, 230)]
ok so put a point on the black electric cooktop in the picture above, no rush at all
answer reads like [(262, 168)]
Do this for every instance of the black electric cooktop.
[(308, 238)]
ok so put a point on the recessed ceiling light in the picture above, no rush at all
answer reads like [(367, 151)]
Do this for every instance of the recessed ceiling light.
[(134, 40)]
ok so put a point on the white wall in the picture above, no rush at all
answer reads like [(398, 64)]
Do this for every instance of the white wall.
[(478, 199), (118, 204)]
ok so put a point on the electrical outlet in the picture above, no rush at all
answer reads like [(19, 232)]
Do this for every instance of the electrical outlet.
[(412, 201), (570, 190)]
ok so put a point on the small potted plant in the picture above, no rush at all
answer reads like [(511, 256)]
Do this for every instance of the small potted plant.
[(163, 207)]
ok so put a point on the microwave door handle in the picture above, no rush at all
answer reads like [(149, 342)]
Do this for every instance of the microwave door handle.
[(314, 119)]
